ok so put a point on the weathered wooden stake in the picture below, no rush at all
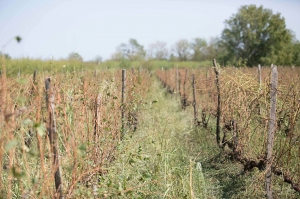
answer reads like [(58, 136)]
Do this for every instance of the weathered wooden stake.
[(177, 80), (207, 76), (123, 100), (259, 82), (33, 82), (259, 76), (235, 135), (32, 92), (97, 118), (184, 97), (217, 72), (179, 84), (272, 128), (194, 101), (52, 133), (166, 79)]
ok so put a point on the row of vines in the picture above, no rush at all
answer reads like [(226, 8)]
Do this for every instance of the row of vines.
[(240, 99), (59, 132)]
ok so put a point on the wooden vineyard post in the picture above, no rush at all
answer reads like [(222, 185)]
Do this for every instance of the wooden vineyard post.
[(33, 82), (34, 76), (97, 122), (235, 136), (259, 82), (194, 101), (272, 128), (259, 76), (166, 79), (52, 133), (217, 72), (177, 80), (123, 100), (97, 119), (32, 92), (184, 97), (179, 83)]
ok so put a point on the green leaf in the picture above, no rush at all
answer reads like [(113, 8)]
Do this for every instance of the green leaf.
[(17, 174), (22, 81), (82, 149), (120, 188), (34, 180), (27, 122), (33, 152), (18, 39), (40, 128), (154, 101), (146, 175), (11, 144), (139, 149), (131, 161)]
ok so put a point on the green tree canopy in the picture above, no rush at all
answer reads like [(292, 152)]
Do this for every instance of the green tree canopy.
[(133, 50), (158, 50), (75, 56), (199, 48), (6, 56), (257, 36), (182, 49), (296, 53)]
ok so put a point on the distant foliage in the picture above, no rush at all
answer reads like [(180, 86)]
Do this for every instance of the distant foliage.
[(6, 56), (296, 54), (257, 36), (75, 56), (132, 51), (182, 49), (158, 51)]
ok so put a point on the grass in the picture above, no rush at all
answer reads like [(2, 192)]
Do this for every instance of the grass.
[(26, 156), (227, 177), (166, 157), (154, 161), (17, 67)]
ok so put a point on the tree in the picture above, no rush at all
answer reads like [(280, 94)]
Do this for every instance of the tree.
[(117, 56), (98, 59), (158, 50), (215, 50), (199, 47), (6, 56), (182, 49), (133, 50), (257, 36), (172, 57), (296, 53), (75, 56)]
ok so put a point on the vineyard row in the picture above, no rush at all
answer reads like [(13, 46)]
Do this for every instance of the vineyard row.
[(249, 106)]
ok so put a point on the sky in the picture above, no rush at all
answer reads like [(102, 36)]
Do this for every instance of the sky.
[(52, 29)]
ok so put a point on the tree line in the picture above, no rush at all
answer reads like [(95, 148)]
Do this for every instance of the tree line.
[(252, 36)]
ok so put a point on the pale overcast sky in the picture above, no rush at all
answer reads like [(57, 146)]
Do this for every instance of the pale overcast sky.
[(53, 29)]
